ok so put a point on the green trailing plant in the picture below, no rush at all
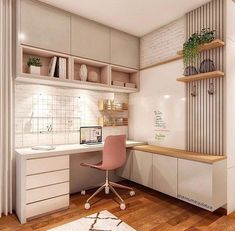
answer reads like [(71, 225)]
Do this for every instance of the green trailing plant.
[(190, 47), (34, 61)]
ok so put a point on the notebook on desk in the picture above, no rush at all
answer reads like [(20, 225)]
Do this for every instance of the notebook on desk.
[(91, 135)]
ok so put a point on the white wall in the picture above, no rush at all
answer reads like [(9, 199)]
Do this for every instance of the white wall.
[(230, 103), (159, 90)]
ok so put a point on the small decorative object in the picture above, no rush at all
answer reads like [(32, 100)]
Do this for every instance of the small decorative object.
[(207, 65), (194, 91), (190, 47), (118, 83), (190, 70), (211, 90), (93, 76), (131, 85), (83, 72), (34, 64)]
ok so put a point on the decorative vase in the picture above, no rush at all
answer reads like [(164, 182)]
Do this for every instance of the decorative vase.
[(83, 72), (207, 65), (190, 70), (93, 76), (34, 70)]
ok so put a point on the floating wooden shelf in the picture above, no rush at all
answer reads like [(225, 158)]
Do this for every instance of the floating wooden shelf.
[(112, 110), (208, 46), (208, 75)]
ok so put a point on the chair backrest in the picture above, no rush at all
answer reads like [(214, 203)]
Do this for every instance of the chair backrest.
[(114, 152)]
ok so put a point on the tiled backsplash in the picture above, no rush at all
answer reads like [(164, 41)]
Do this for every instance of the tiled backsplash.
[(49, 115)]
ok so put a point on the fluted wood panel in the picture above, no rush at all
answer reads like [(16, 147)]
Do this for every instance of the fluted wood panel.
[(205, 122), (6, 89)]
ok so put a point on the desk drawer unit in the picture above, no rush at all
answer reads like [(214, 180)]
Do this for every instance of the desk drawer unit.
[(48, 178), (44, 186), (38, 194), (49, 164), (46, 206)]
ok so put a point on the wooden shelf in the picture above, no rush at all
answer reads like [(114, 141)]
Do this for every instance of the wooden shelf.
[(105, 72), (208, 46), (124, 75), (208, 75)]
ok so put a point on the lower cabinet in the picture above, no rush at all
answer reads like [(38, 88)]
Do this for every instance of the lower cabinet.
[(142, 170), (201, 184), (198, 183), (165, 174)]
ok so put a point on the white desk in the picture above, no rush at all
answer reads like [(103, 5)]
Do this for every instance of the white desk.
[(43, 177)]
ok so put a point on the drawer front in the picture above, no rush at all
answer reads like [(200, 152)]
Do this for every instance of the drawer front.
[(46, 206), (44, 179), (49, 164), (47, 192)]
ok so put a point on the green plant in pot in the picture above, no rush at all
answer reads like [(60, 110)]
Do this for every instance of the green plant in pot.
[(34, 64), (191, 46)]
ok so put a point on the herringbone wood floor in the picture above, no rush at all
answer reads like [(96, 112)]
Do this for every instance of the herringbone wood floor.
[(147, 211)]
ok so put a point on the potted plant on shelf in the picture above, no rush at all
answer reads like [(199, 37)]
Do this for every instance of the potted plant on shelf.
[(191, 48), (34, 64)]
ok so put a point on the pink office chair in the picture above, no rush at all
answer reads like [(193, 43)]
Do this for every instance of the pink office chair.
[(114, 156)]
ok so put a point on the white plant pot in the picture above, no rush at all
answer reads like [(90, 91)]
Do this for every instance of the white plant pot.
[(34, 70), (83, 72)]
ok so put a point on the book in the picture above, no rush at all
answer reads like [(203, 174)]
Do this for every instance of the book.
[(62, 68), (56, 73), (52, 64)]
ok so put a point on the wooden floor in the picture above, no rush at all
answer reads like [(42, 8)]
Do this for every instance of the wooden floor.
[(148, 210)]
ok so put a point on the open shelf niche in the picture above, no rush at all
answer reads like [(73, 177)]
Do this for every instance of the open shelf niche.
[(98, 69), (125, 78), (45, 58)]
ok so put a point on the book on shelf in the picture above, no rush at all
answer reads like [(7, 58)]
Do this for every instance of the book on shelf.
[(52, 65), (60, 68)]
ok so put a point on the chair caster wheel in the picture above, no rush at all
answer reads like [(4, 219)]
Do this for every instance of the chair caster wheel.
[(122, 206), (132, 193), (83, 192), (87, 205), (106, 190)]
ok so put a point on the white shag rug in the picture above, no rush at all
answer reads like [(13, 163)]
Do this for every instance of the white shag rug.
[(102, 221)]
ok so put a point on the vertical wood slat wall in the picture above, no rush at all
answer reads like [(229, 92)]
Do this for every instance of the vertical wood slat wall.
[(205, 113)]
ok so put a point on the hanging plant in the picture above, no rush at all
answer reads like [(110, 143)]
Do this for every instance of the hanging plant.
[(190, 47)]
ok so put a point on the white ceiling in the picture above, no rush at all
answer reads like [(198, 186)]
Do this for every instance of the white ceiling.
[(137, 17)]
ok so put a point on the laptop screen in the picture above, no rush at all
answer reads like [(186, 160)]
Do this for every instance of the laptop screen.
[(91, 135)]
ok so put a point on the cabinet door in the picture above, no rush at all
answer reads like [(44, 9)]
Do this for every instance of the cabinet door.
[(90, 39), (142, 169), (125, 170), (44, 27), (165, 174), (195, 183), (124, 49)]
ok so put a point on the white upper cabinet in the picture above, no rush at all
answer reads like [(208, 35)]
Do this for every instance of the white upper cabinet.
[(44, 26), (90, 39), (124, 49), (165, 174)]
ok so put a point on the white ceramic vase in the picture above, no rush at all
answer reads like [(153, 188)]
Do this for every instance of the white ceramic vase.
[(83, 72), (34, 70)]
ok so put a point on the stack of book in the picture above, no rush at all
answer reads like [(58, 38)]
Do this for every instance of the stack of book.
[(58, 67)]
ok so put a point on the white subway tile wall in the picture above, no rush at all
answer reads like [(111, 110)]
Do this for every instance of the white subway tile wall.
[(50, 115), (162, 43)]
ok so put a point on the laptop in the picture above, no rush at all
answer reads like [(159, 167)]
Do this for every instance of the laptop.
[(91, 135)]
